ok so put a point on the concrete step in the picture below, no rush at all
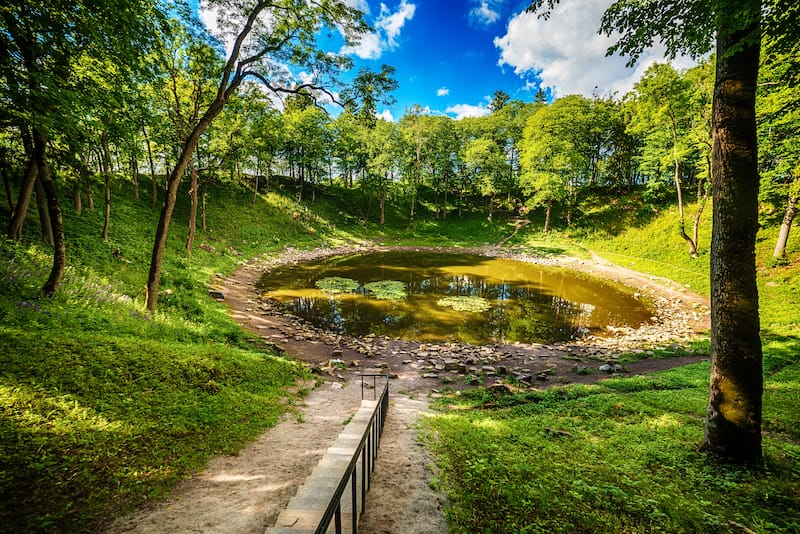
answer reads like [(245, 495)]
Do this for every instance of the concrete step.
[(306, 507)]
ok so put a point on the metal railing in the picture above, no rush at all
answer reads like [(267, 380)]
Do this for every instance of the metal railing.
[(367, 450)]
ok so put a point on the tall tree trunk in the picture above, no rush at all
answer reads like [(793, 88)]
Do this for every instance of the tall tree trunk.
[(44, 214), (154, 194), (733, 420), (786, 225), (135, 176), (76, 197), (411, 211), (173, 181), (547, 212), (20, 211), (203, 209), (366, 211), (105, 164), (255, 185), (54, 209), (192, 206), (7, 185), (682, 218), (384, 192)]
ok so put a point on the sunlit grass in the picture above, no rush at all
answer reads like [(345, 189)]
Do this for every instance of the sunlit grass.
[(624, 456)]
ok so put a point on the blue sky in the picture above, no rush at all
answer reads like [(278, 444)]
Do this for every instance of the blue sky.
[(452, 55)]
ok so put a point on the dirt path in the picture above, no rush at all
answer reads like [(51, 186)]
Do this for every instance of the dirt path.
[(245, 493)]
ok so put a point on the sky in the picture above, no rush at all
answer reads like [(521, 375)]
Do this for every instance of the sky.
[(452, 55)]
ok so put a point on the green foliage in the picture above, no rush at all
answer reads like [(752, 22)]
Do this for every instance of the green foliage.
[(337, 284), (105, 406), (466, 303), (387, 289)]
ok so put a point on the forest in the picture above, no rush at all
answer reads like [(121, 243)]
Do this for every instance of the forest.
[(112, 132)]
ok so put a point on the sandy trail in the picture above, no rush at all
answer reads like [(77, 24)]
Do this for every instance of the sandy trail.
[(245, 493)]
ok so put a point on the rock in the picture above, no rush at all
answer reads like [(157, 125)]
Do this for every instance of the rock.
[(523, 378), (606, 368), (451, 365), (216, 294)]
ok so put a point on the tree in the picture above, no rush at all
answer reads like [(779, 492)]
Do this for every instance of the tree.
[(47, 50), (270, 36), (779, 137), (561, 150), (367, 90), (733, 422), (382, 145), (662, 98)]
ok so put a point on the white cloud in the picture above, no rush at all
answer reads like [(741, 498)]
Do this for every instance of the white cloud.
[(484, 13), (387, 30), (568, 55), (386, 115), (466, 110), (443, 91), (361, 5)]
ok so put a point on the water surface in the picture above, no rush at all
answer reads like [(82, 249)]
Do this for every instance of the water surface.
[(526, 302)]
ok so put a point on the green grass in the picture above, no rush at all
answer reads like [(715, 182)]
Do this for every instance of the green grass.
[(623, 455), (105, 407), (601, 459)]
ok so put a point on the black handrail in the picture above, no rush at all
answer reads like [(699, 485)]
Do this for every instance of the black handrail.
[(368, 450)]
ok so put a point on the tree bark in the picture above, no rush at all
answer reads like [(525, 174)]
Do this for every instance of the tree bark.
[(733, 420), (76, 197), (192, 207), (54, 209), (173, 181), (548, 209), (135, 176), (203, 209), (786, 225), (679, 190), (383, 206), (105, 163), (7, 185), (20, 211), (44, 214), (154, 194)]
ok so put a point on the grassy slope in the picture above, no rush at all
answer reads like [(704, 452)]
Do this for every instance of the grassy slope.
[(622, 456), (103, 406)]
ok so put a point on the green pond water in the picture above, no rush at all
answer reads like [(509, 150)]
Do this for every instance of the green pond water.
[(429, 296)]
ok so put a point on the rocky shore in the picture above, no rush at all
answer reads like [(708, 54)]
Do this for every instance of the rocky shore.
[(679, 316)]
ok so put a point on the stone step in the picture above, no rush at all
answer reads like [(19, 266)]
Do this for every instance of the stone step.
[(306, 507), (308, 519)]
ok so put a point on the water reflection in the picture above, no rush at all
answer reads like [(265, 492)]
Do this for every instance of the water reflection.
[(529, 303)]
